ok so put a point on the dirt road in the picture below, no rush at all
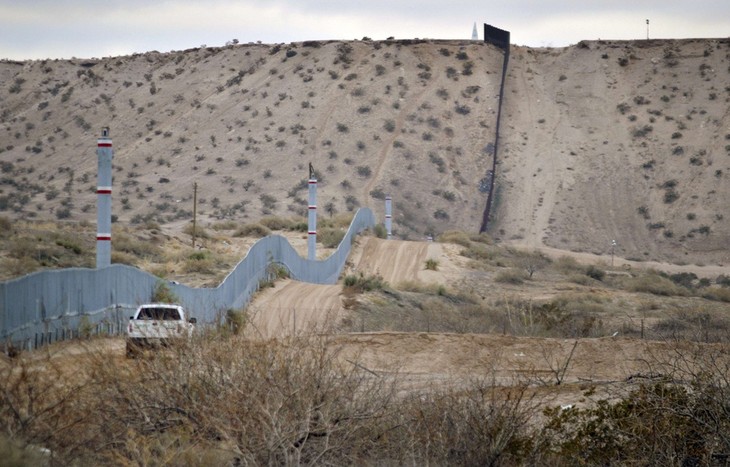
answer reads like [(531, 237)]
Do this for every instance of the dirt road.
[(292, 306)]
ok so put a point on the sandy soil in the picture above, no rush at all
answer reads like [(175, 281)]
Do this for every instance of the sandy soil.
[(425, 359)]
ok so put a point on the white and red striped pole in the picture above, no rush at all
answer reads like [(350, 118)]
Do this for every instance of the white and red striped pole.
[(388, 216), (312, 224), (104, 200)]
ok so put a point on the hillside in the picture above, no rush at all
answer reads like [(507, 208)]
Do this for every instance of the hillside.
[(600, 141)]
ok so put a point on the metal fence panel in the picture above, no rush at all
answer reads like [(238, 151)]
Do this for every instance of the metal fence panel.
[(58, 302)]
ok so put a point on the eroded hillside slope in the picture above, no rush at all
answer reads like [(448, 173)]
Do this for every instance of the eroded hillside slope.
[(625, 141), (407, 118), (602, 141)]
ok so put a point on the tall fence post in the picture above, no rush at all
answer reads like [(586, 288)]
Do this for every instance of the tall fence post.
[(389, 215), (104, 200), (312, 224)]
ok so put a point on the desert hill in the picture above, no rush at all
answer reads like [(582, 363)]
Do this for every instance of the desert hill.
[(625, 141)]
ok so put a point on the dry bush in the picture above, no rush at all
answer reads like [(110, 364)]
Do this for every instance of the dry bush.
[(225, 225), (480, 252), (568, 265), (330, 238), (483, 425), (120, 257), (455, 236), (339, 221), (125, 243), (252, 230), (418, 307), (511, 276), (481, 238), (679, 415), (210, 400), (720, 294), (199, 231), (6, 226), (277, 223), (656, 284), (203, 262)]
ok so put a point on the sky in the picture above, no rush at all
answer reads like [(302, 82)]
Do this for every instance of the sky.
[(39, 29)]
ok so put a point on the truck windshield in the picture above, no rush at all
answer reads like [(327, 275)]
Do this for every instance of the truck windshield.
[(166, 314)]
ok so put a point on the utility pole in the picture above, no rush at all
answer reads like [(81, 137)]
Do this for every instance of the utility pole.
[(647, 29), (613, 250), (195, 208)]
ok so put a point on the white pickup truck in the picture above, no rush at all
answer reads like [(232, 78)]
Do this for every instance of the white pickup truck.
[(157, 324)]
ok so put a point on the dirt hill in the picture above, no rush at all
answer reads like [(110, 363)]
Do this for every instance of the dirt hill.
[(625, 141)]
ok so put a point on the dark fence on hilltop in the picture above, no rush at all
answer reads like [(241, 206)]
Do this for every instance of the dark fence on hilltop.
[(54, 305), (499, 38)]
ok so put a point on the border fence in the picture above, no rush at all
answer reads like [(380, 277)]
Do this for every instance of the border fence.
[(52, 305), (499, 38)]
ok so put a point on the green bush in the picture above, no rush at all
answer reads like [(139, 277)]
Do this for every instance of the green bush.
[(595, 273), (361, 283), (330, 238), (432, 264), (236, 320), (163, 294), (655, 284), (380, 231)]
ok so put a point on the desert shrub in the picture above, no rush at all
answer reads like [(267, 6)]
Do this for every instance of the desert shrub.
[(723, 280), (455, 236), (595, 273), (481, 426), (670, 196), (462, 109), (581, 279), (380, 231), (685, 279), (200, 232), (359, 283), (640, 132), (199, 262), (330, 238), (637, 427), (364, 171), (720, 294), (268, 201), (252, 230), (479, 252), (163, 294), (276, 223), (236, 320), (140, 248), (225, 225), (432, 264), (5, 226), (655, 284), (511, 276), (483, 237)]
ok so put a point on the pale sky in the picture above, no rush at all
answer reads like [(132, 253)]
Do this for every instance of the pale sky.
[(38, 29)]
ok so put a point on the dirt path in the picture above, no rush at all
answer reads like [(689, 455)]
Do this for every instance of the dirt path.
[(291, 307)]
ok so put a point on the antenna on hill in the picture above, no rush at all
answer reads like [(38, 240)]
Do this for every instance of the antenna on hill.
[(647, 29), (474, 33)]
